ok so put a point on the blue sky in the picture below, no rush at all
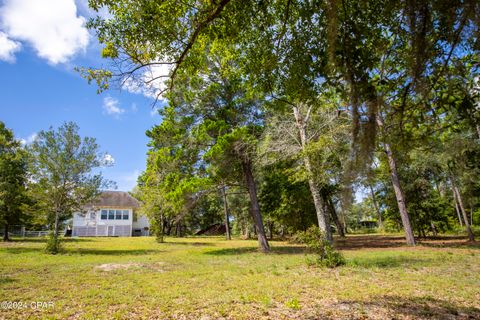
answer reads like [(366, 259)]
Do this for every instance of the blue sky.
[(39, 87)]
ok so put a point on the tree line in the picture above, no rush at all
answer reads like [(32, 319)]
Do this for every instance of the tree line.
[(275, 113), (43, 183), (289, 106)]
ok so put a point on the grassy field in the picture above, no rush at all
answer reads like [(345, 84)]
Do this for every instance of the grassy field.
[(210, 278)]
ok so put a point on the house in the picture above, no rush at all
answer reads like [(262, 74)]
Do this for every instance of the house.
[(112, 214)]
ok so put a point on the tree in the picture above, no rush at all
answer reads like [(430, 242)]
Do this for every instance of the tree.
[(226, 212), (13, 179), (62, 177), (387, 59), (286, 201), (226, 119), (315, 136)]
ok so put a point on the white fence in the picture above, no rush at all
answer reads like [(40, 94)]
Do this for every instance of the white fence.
[(36, 233)]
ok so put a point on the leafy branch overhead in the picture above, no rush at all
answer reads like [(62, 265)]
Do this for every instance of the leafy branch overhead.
[(133, 57)]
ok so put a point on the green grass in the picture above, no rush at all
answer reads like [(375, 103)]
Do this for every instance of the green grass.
[(191, 278)]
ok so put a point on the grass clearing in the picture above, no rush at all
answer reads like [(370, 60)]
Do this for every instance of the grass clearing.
[(210, 278)]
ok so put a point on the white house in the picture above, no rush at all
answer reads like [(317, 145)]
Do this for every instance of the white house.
[(110, 215)]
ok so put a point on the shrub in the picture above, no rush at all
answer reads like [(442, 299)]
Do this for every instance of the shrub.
[(53, 244), (297, 238), (317, 243)]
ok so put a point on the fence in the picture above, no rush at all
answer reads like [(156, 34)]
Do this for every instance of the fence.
[(36, 233), (21, 232)]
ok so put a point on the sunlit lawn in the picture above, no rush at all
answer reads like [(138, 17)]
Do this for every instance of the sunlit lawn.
[(210, 278)]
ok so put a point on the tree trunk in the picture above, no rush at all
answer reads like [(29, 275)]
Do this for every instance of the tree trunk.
[(457, 209), (177, 229), (254, 206), (164, 227), (434, 230), (344, 222), (225, 209), (322, 217), (246, 233), (397, 188), (399, 196), (336, 220), (169, 228), (375, 204), (471, 237), (56, 226), (5, 234), (471, 216), (160, 230)]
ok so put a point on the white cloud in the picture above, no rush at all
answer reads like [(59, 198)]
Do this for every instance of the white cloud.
[(51, 27), (8, 48), (150, 82), (29, 139), (110, 107), (86, 11), (108, 160)]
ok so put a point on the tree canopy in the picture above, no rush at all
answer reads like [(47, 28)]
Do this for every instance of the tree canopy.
[(276, 94)]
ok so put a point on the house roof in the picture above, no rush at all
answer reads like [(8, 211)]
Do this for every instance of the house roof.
[(115, 199)]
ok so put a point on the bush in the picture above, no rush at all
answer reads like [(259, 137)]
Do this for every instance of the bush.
[(53, 244), (317, 243), (297, 238)]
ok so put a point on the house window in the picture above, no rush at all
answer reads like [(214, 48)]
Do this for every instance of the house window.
[(110, 214), (93, 215)]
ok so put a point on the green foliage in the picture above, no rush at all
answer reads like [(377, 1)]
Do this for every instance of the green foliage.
[(61, 174), (13, 180), (325, 254), (53, 245), (203, 142), (391, 73), (101, 77), (285, 201)]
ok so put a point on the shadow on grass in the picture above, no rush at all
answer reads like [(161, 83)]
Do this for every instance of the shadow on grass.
[(195, 244), (387, 262), (115, 252), (22, 250), (248, 250), (410, 308), (385, 242), (44, 239), (101, 252), (368, 242), (6, 280), (441, 243)]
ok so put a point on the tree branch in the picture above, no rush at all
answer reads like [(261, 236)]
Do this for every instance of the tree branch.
[(194, 37)]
